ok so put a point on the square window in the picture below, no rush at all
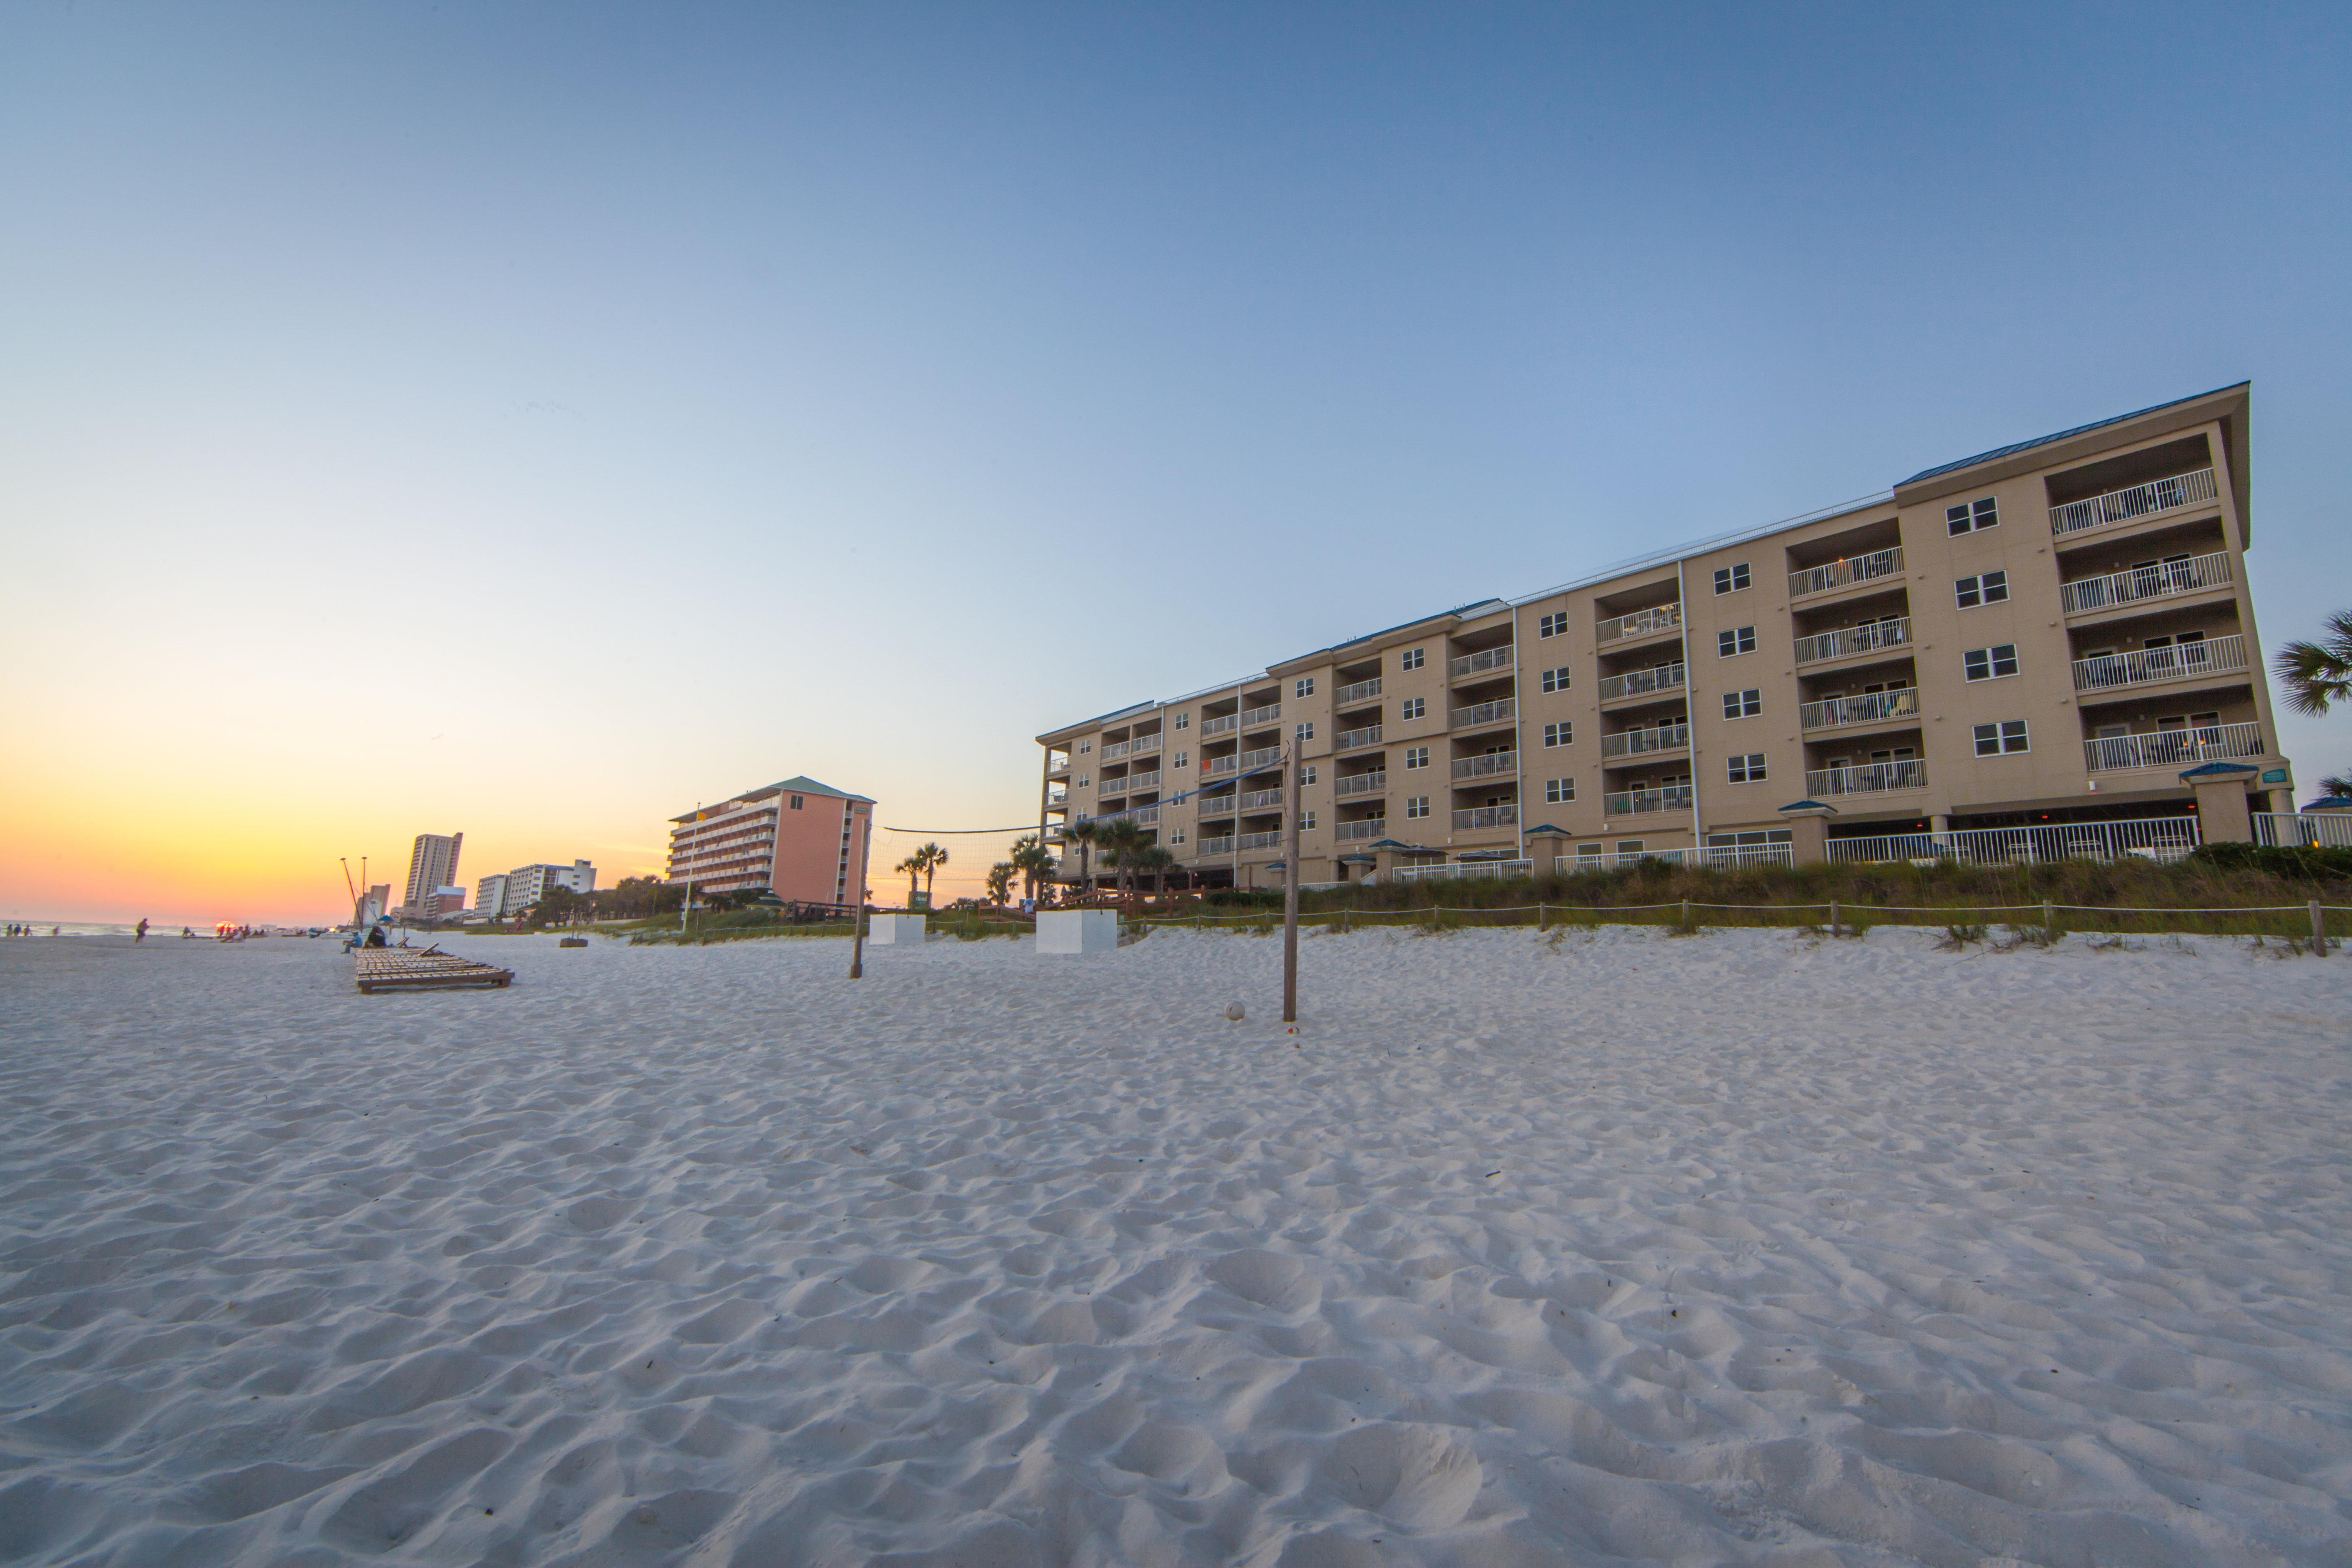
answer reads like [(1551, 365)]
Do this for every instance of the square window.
[(2001, 738), (1975, 515), (1183, 720), (1413, 708), (1990, 663), (1555, 791), (1553, 625), (1556, 679), (1737, 640), (796, 802), (1182, 758), (1560, 734), (1409, 660), (1082, 781), (1306, 687), (1306, 822), (1085, 746), (1417, 757), (1731, 579), (1306, 731), (1629, 846), (1416, 805), (1307, 775), (1177, 836), (1743, 704), (1748, 768), (1989, 589)]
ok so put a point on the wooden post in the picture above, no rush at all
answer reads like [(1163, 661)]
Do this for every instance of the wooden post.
[(1543, 920), (2049, 922), (2318, 929), (858, 939), (1834, 923), (1290, 888), (1685, 914)]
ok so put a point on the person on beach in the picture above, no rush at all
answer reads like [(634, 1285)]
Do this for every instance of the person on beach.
[(375, 937), (141, 934)]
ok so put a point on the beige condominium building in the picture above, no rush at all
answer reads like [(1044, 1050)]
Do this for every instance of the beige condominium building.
[(2044, 649)]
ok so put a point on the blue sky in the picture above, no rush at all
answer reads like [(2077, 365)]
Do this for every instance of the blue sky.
[(684, 398)]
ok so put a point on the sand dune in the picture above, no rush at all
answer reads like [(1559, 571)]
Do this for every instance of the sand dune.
[(1601, 1249)]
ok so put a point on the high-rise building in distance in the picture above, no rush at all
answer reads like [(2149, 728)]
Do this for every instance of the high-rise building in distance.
[(804, 841), (432, 865)]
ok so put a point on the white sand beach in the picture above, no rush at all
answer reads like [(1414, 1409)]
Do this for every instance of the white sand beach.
[(1610, 1249)]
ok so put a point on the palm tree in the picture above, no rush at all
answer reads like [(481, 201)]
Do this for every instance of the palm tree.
[(2338, 787), (1000, 881), (913, 866), (1084, 833), (1033, 861), (1121, 839), (932, 857), (1156, 861), (2316, 674)]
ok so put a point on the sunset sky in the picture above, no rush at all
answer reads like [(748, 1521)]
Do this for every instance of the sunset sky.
[(536, 420)]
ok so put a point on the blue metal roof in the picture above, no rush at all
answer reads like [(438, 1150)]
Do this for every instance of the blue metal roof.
[(1999, 452)]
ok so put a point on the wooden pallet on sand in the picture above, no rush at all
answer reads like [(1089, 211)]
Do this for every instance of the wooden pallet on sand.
[(407, 969)]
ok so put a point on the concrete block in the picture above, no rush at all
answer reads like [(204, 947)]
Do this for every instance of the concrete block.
[(896, 931), (1077, 930)]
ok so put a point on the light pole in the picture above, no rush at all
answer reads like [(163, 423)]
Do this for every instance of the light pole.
[(1290, 891)]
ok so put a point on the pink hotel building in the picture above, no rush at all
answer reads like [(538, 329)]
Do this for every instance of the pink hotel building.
[(804, 841)]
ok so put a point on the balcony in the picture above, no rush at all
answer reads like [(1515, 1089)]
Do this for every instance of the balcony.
[(2156, 580), (1486, 816), (1144, 746), (1479, 663), (1487, 766), (1362, 831), (1846, 573), (1480, 713), (1647, 802), (1259, 841), (1362, 691), (1141, 816), (1847, 641), (1210, 806), (1349, 740), (1635, 743), (1349, 784), (1220, 767), (1640, 682), (1262, 800), (1867, 707), (1871, 778), (1641, 623), (1257, 762), (1213, 727), (2149, 665), (1214, 846), (2174, 748), (1112, 752), (1258, 718), (1133, 783), (2139, 501)]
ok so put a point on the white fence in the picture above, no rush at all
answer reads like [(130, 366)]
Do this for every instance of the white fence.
[(2154, 838), (1722, 857), (2314, 830), (1464, 871), (2139, 501)]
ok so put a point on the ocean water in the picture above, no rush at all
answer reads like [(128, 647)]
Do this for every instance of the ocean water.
[(42, 930)]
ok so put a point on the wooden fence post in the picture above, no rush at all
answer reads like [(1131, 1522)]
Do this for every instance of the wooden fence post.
[(1833, 918), (2049, 922), (2318, 929)]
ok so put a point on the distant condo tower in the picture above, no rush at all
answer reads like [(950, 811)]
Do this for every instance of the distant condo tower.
[(804, 841), (432, 866)]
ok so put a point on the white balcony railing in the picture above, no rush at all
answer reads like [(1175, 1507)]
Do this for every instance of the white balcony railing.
[(1143, 746), (1220, 767), (1262, 800), (1633, 683), (1871, 778), (2149, 838), (2139, 501), (1348, 784), (1641, 623), (1646, 802), (1486, 713), (1357, 692), (2144, 665), (1486, 816), (1480, 662), (1263, 758), (1363, 830), (1634, 743), (1256, 718), (1863, 708), (1141, 816), (1259, 841), (1214, 846), (1847, 640), (1116, 750), (1213, 727), (1133, 783), (1845, 573), (2151, 580), (1212, 805), (2312, 830), (1487, 766), (1464, 871), (1347, 739), (2174, 748)]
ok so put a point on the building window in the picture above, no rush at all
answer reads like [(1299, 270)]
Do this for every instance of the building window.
[(1748, 768), (1989, 589), (1182, 758), (1082, 781), (1731, 579), (1737, 640), (1588, 852), (1413, 708), (796, 802), (1177, 836), (1306, 731), (1183, 720), (1553, 626), (1307, 776), (2000, 740), (1560, 734), (1556, 679), (1417, 757), (1990, 663), (1557, 791), (1409, 660), (1743, 704), (1629, 846), (1971, 517), (1305, 687), (1306, 822), (1416, 805), (1085, 746)]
